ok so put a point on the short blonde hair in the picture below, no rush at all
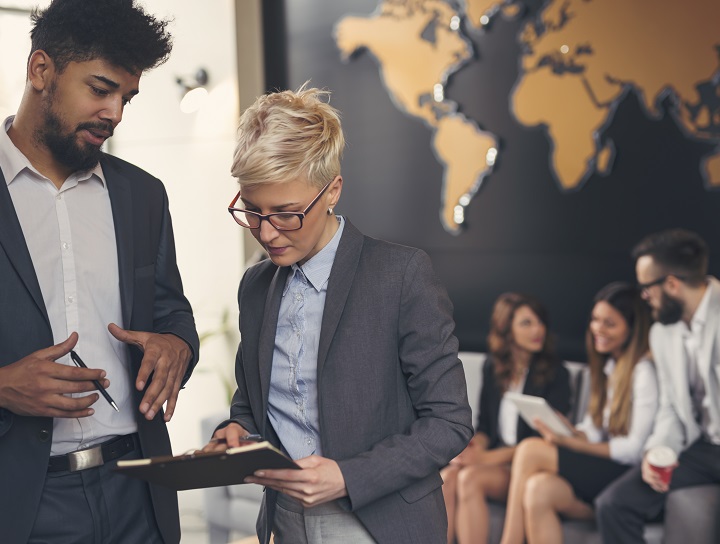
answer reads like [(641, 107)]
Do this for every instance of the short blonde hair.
[(286, 135)]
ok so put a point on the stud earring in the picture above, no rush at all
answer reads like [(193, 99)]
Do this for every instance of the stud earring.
[(330, 211)]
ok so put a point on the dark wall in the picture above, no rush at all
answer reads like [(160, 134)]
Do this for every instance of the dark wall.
[(523, 232)]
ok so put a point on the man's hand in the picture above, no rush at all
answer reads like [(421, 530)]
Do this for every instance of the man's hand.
[(229, 436), (652, 478), (320, 480), (166, 357), (37, 386)]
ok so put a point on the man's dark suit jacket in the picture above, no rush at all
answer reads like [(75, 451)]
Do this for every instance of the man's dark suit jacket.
[(556, 392), (152, 300), (392, 396)]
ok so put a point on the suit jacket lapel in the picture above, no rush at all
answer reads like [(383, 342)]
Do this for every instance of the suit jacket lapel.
[(121, 204), (711, 325), (677, 358), (268, 330), (341, 279), (12, 240)]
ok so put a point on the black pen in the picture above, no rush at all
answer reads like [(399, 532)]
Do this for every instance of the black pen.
[(79, 362)]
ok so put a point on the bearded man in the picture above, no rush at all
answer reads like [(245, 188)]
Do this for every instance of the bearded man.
[(671, 268), (87, 263)]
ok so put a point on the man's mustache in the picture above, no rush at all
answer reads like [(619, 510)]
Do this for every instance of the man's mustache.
[(105, 128)]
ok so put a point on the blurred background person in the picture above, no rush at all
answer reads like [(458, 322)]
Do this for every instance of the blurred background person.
[(561, 475), (521, 359), (671, 268)]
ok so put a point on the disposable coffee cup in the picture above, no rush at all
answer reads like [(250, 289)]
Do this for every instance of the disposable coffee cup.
[(663, 461)]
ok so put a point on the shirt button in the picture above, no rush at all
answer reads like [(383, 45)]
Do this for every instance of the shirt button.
[(71, 299), (58, 197), (65, 245), (298, 297)]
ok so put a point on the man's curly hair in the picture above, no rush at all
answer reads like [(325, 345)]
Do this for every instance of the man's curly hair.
[(118, 31)]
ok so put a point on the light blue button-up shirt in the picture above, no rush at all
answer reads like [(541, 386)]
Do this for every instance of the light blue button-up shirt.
[(293, 397)]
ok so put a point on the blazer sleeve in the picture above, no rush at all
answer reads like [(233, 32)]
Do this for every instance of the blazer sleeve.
[(669, 429), (240, 407), (240, 411), (435, 380), (172, 312)]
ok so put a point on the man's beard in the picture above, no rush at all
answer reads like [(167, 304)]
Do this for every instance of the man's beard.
[(670, 310), (64, 145)]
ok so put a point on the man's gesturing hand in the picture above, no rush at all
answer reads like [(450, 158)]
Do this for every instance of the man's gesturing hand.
[(166, 357), (38, 386)]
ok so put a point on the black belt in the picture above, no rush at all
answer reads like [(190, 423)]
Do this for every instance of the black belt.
[(95, 455)]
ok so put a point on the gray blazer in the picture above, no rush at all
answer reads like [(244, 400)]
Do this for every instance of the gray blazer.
[(675, 425), (393, 400), (152, 300)]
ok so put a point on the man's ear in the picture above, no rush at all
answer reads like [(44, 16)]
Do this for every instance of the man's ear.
[(673, 285), (40, 70)]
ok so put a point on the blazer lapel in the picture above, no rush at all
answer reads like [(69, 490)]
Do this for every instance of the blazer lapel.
[(268, 330), (121, 204), (12, 240), (678, 361), (341, 279), (709, 331)]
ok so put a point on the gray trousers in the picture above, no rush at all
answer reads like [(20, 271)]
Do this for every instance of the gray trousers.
[(95, 506), (626, 504), (327, 523)]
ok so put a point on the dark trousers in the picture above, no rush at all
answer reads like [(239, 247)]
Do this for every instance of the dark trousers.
[(626, 504), (95, 506)]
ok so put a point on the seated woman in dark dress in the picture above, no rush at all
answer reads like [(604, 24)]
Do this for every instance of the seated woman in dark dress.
[(558, 475), (521, 359)]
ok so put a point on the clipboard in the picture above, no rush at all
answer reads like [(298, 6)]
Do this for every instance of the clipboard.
[(199, 470), (531, 407)]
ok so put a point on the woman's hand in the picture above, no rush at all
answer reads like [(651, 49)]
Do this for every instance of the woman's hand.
[(227, 437), (549, 435), (320, 480), (561, 440)]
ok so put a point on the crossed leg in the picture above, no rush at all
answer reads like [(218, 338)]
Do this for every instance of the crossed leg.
[(538, 504)]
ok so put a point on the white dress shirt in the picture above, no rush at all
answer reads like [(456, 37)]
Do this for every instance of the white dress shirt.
[(693, 340), (509, 414), (628, 449), (70, 235)]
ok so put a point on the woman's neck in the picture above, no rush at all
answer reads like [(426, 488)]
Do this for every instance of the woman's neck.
[(520, 361)]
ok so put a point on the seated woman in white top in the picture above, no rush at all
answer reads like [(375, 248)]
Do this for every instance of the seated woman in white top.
[(557, 475)]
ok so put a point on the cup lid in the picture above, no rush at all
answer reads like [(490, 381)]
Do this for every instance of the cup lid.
[(661, 456)]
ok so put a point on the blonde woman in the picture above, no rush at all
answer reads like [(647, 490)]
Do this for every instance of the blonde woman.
[(557, 475), (348, 360)]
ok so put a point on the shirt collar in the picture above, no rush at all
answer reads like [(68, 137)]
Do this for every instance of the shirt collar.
[(13, 162), (317, 269), (700, 316), (609, 366)]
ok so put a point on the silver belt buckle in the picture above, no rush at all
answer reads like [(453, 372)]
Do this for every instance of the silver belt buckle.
[(82, 459)]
